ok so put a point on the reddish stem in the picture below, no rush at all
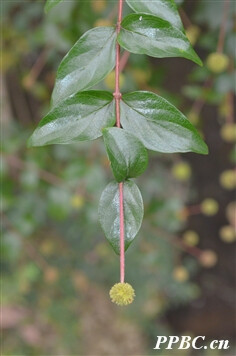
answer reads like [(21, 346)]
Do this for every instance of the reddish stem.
[(194, 209), (117, 96), (122, 235), (36, 69), (175, 241), (184, 17), (230, 103), (199, 103), (220, 45), (124, 60)]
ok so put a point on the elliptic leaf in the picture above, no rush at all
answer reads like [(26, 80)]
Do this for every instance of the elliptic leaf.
[(109, 213), (50, 4), (80, 117), (127, 154), (165, 9), (87, 63), (147, 34), (158, 124)]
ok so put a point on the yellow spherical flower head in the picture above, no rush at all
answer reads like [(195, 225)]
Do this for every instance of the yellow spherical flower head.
[(209, 206), (141, 76), (122, 294), (191, 238), (228, 132), (228, 233), (228, 179), (77, 201), (102, 22), (217, 62), (193, 117), (181, 171), (208, 258), (110, 80), (99, 5), (192, 33), (180, 274)]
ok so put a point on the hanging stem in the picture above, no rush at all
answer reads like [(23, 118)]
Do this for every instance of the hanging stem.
[(122, 235), (199, 103), (226, 8), (117, 96)]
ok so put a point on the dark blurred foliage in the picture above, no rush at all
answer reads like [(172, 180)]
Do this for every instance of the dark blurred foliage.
[(57, 267)]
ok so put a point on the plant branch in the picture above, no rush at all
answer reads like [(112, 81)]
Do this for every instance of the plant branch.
[(200, 102), (124, 60), (230, 103), (117, 96), (184, 17), (175, 241), (31, 78), (221, 39)]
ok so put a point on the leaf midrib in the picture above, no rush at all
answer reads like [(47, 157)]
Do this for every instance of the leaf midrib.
[(83, 117), (89, 123), (151, 39), (148, 119), (93, 58), (172, 9)]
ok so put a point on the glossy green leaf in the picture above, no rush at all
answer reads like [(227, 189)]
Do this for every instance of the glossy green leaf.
[(127, 154), (147, 34), (86, 64), (80, 117), (158, 124), (165, 9), (50, 4), (109, 214)]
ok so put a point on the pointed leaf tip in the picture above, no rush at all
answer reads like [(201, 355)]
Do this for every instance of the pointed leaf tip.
[(88, 62), (159, 125), (166, 9), (151, 35), (50, 4), (127, 154), (81, 117), (109, 214)]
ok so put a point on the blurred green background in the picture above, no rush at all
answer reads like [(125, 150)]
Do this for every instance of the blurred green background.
[(57, 267)]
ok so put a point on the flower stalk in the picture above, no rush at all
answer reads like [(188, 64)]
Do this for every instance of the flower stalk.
[(117, 96)]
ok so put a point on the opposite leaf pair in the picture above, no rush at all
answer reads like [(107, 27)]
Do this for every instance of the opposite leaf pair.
[(156, 30), (93, 55), (147, 120), (153, 120)]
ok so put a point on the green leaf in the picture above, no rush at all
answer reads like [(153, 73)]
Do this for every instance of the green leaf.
[(81, 117), (158, 124), (147, 34), (50, 4), (109, 214), (87, 63), (166, 9), (127, 154)]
